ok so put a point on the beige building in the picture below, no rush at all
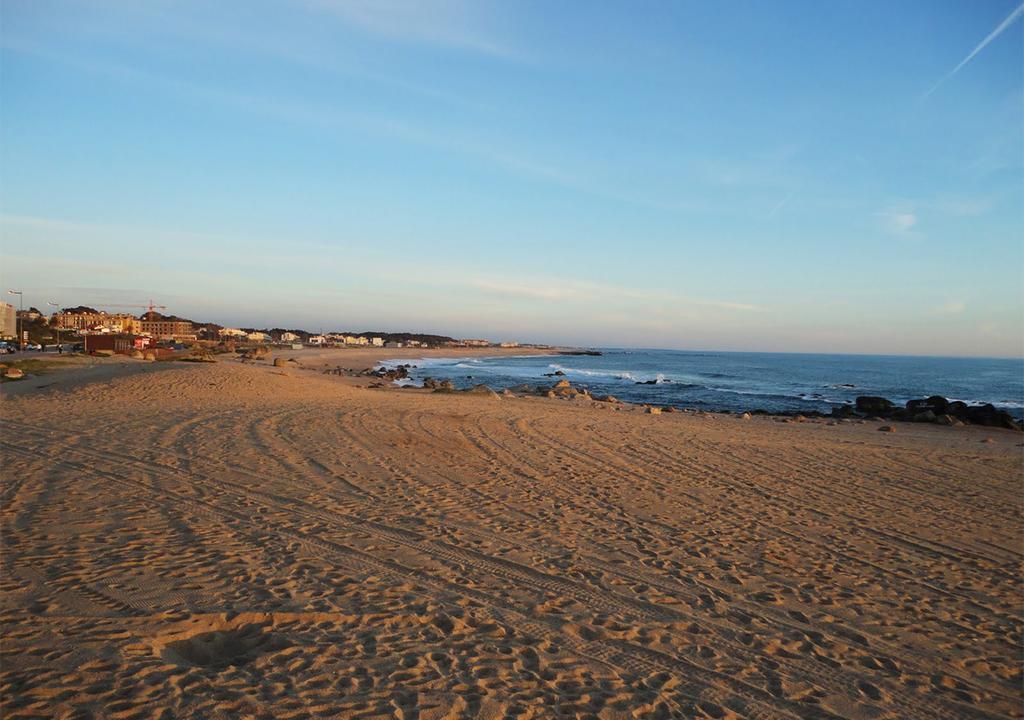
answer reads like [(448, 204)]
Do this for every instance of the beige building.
[(128, 324), (168, 329), (78, 321), (8, 321), (99, 321)]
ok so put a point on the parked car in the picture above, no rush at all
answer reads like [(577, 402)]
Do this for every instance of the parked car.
[(33, 346), (7, 349)]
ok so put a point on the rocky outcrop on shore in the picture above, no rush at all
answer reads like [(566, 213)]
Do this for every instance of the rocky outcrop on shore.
[(401, 372), (935, 409)]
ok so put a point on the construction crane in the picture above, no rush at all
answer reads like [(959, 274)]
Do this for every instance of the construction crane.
[(149, 308)]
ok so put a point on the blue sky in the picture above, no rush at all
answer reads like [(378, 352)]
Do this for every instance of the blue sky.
[(799, 176)]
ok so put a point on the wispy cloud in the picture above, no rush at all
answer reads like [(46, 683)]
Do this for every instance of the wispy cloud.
[(953, 307), (446, 23), (962, 206), (531, 292), (556, 290), (725, 305), (1000, 29), (328, 117), (900, 221)]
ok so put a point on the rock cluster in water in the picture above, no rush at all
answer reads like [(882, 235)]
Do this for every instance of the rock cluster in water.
[(400, 372), (935, 409)]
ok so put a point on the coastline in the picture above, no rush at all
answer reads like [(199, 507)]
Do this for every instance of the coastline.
[(675, 392), (354, 365), (72, 371), (360, 362)]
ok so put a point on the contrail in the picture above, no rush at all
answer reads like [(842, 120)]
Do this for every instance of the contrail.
[(781, 204), (981, 46)]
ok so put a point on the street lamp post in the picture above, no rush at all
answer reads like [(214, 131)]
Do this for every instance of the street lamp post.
[(53, 304), (21, 309)]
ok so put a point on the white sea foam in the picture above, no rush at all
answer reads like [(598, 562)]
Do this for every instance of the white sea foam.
[(586, 372), (1014, 404)]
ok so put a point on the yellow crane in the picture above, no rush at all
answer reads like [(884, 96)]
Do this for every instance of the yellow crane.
[(149, 308)]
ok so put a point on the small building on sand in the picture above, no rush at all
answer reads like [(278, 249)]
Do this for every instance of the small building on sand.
[(113, 342)]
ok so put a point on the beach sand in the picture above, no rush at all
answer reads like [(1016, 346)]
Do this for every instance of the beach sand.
[(235, 540)]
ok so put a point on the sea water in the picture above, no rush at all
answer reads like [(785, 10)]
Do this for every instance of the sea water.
[(739, 381)]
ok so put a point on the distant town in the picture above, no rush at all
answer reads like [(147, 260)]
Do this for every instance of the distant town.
[(90, 330)]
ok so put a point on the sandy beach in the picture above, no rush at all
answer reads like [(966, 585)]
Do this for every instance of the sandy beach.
[(232, 540)]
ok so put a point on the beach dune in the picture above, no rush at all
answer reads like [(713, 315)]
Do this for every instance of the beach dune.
[(227, 540)]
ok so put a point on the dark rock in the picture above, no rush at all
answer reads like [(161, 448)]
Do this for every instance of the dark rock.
[(925, 416), (936, 403), (873, 405), (957, 408), (842, 411), (399, 373), (480, 389), (989, 416)]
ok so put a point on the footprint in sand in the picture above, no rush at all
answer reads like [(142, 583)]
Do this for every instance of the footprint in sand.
[(223, 648), (870, 690)]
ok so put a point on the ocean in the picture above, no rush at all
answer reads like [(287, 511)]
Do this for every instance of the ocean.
[(740, 381)]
